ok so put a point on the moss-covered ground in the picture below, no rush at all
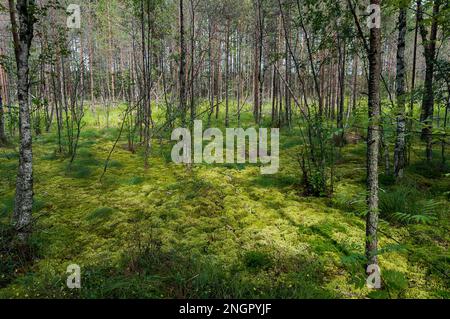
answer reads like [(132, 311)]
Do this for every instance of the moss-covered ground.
[(216, 231)]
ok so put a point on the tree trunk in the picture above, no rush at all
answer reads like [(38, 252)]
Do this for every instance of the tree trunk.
[(111, 59), (192, 68), (3, 139), (373, 142), (3, 94), (91, 64), (227, 71), (274, 96), (257, 63), (428, 95), (413, 81), (399, 153), (182, 76), (239, 76), (211, 72), (287, 94), (340, 115), (311, 61), (447, 109), (355, 82), (24, 187)]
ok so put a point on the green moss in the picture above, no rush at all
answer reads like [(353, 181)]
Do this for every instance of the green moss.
[(216, 231), (101, 213)]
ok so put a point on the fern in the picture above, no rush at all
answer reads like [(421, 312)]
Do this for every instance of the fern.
[(406, 205), (413, 219), (425, 213)]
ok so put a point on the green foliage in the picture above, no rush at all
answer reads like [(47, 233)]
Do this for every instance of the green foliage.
[(418, 219), (395, 281)]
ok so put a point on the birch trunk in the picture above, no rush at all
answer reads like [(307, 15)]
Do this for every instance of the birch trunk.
[(24, 186)]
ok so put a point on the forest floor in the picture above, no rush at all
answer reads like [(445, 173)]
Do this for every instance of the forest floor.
[(218, 231)]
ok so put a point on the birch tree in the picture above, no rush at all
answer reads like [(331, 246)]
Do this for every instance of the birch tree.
[(22, 31)]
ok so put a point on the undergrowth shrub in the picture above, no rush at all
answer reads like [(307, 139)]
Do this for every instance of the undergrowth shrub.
[(317, 157)]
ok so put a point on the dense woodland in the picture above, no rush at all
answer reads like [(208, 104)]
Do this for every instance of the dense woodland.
[(86, 116)]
